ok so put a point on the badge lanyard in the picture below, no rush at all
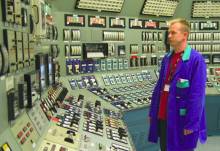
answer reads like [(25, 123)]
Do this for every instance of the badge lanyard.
[(171, 73), (172, 70)]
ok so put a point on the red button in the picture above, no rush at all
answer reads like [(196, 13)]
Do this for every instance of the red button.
[(62, 149), (20, 134), (28, 134), (23, 140)]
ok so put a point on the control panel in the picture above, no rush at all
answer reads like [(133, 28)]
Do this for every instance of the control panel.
[(25, 133)]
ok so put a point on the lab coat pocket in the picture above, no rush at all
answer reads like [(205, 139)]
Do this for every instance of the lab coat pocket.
[(182, 83), (182, 87)]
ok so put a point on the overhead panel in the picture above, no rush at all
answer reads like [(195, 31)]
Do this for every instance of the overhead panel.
[(206, 9), (100, 5), (159, 7)]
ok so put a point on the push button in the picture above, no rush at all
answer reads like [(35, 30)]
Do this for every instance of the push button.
[(27, 134), (23, 140), (20, 134)]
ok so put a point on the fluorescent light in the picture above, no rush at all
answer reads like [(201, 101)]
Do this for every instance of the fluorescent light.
[(160, 7), (104, 5), (206, 9)]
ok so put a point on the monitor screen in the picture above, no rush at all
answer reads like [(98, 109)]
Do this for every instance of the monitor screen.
[(42, 76), (95, 50), (50, 70)]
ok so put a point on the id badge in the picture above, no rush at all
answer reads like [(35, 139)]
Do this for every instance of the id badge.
[(166, 87)]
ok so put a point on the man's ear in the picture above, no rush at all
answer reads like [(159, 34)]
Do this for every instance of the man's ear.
[(186, 34)]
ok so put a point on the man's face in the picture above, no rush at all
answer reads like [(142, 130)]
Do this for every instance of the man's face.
[(176, 34)]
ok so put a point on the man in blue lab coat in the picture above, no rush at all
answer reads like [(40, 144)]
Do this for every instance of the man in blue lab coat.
[(177, 111)]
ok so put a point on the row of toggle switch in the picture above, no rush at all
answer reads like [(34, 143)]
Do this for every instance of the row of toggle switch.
[(206, 47), (152, 36), (73, 50), (125, 78), (200, 36), (113, 36), (93, 123), (71, 35)]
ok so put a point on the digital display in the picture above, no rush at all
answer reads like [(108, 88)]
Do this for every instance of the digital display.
[(135, 23), (151, 24), (74, 20), (116, 22), (163, 25), (97, 21), (209, 25)]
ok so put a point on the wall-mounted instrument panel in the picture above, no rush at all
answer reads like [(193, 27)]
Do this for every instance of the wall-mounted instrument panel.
[(204, 38)]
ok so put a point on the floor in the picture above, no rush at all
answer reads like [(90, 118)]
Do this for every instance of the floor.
[(213, 144), (138, 129)]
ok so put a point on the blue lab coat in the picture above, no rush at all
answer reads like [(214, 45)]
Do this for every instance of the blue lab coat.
[(186, 102)]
